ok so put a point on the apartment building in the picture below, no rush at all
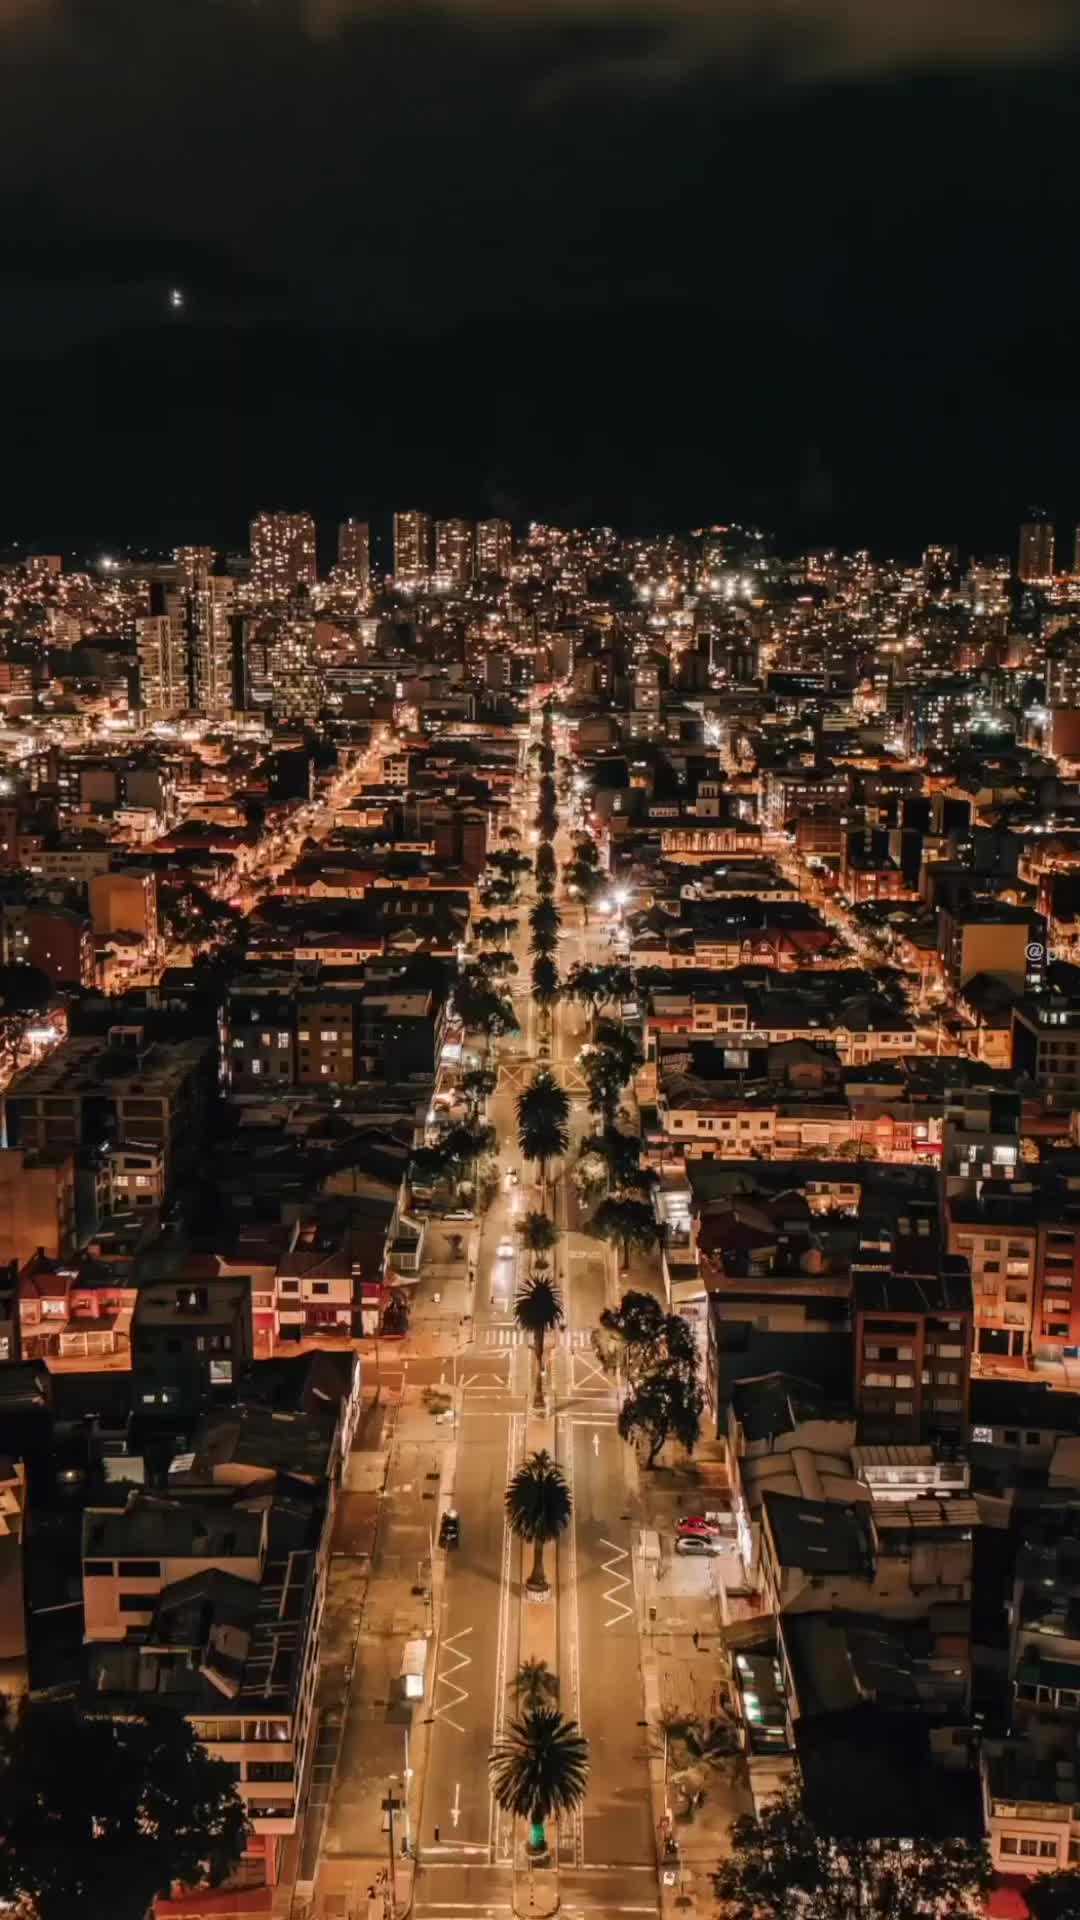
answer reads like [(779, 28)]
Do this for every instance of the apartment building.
[(123, 1089), (190, 1341), (913, 1320), (212, 1611)]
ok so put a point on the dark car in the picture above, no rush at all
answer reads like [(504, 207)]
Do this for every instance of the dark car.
[(449, 1529)]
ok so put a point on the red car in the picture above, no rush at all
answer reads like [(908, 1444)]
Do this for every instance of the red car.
[(709, 1525)]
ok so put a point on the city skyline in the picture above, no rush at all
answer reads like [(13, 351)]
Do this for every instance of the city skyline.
[(724, 277)]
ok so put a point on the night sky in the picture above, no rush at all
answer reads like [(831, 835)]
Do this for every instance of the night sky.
[(811, 262)]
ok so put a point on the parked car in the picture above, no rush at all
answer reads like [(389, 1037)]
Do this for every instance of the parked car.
[(449, 1528), (712, 1524), (698, 1543)]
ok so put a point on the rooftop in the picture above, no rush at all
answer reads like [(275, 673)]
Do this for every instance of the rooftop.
[(159, 1528)]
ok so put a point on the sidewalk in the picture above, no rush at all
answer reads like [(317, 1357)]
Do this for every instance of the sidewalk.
[(685, 1678), (391, 1598)]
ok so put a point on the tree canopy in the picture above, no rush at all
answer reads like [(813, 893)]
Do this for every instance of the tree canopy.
[(98, 1816), (666, 1403), (538, 1508), (538, 1767), (626, 1221), (781, 1867), (538, 1310), (543, 1117)]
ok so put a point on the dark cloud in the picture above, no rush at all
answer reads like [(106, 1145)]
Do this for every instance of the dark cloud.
[(667, 250)]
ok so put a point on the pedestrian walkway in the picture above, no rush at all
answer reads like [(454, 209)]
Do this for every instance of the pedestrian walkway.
[(577, 1339)]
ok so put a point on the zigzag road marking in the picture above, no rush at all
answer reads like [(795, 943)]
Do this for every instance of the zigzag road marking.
[(447, 1680), (619, 1581)]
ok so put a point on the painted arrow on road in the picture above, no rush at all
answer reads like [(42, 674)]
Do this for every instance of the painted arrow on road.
[(447, 1680), (619, 1583)]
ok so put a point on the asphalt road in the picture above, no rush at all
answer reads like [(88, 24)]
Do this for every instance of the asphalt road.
[(608, 1866), (477, 1649)]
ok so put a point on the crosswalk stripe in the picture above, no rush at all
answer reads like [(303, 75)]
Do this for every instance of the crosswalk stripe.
[(579, 1339)]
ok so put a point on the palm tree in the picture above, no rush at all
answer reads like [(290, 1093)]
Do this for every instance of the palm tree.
[(538, 1509), (540, 1766), (538, 1233), (544, 923), (538, 1310), (545, 982), (543, 1117), (535, 1685)]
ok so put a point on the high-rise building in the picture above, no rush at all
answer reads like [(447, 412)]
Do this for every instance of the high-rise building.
[(494, 547), (192, 565), (1036, 561), (161, 641), (455, 553), (282, 553), (214, 673), (299, 691), (412, 548), (354, 550), (1076, 550)]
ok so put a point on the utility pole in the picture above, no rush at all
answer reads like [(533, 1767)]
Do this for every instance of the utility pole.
[(390, 1806)]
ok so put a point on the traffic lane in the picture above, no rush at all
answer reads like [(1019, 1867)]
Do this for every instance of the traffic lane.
[(585, 1283), (619, 1890), (473, 1650), (443, 1888), (617, 1813)]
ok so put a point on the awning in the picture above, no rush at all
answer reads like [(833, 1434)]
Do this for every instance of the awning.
[(746, 1635)]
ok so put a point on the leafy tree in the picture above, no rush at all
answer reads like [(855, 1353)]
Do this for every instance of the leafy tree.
[(782, 1867), (539, 1767), (616, 1039), (543, 1117), (509, 863), (586, 851), (620, 1154), (498, 893), (538, 1311), (99, 1816), (586, 882), (589, 1176), (666, 1402), (605, 1081), (600, 986), (462, 1146), (627, 1222), (486, 927), (497, 963), (24, 989), (535, 1685), (1054, 1896), (395, 1319), (538, 1232), (478, 1085), (428, 1166), (538, 1509), (635, 1331), (479, 1008)]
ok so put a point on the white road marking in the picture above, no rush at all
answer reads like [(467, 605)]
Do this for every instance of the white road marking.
[(455, 1811), (447, 1680), (619, 1581)]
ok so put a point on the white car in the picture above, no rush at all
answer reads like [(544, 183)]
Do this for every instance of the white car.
[(506, 1250)]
